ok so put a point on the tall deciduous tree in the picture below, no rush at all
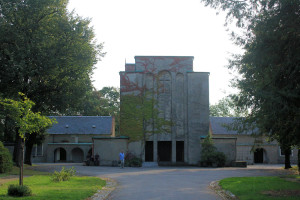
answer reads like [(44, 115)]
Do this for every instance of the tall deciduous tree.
[(270, 67), (47, 53)]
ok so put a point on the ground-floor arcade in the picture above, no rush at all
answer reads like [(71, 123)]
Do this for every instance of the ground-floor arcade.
[(68, 152)]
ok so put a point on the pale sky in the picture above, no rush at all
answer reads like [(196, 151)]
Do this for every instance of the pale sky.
[(160, 28)]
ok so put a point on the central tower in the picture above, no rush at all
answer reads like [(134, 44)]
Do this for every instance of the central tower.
[(181, 96)]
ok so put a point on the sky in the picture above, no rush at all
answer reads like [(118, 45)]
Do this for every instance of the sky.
[(130, 28)]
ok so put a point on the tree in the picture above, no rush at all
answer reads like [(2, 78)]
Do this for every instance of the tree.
[(210, 155), (270, 67), (47, 53), (140, 118), (27, 121), (226, 108), (104, 102), (111, 103)]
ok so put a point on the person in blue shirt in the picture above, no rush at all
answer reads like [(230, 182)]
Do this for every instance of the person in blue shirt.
[(122, 158)]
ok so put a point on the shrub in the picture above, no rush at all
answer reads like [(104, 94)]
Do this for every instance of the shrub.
[(209, 154), (19, 190), (6, 163), (63, 175), (132, 161), (220, 159)]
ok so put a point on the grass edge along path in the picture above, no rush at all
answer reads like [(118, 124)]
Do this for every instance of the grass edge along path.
[(270, 187), (28, 171), (77, 188)]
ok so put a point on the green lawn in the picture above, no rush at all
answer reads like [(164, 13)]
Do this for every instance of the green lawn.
[(28, 171), (263, 187), (43, 188)]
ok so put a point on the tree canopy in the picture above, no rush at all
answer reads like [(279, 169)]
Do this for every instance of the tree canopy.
[(269, 84), (46, 52), (226, 107)]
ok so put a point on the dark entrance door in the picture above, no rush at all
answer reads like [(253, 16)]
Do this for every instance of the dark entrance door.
[(60, 155), (164, 150), (259, 155), (149, 151), (179, 151)]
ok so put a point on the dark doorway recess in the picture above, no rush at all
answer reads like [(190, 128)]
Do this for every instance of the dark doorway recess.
[(179, 151), (60, 155), (259, 155), (149, 151), (164, 150)]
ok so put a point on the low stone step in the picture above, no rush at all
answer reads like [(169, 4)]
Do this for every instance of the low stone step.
[(150, 164)]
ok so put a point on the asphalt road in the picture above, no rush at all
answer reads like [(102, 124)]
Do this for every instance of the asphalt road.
[(164, 183)]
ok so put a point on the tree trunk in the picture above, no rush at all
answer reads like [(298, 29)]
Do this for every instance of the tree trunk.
[(17, 148), (29, 145), (21, 162), (287, 161), (299, 161), (28, 150)]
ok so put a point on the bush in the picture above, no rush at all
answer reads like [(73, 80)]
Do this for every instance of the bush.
[(19, 190), (63, 175), (6, 163), (209, 154), (220, 159), (132, 161)]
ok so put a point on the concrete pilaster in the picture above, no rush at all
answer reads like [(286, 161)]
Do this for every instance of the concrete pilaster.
[(173, 150), (155, 148)]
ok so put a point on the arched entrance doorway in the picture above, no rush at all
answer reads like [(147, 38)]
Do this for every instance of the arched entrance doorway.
[(60, 155), (77, 155), (259, 155)]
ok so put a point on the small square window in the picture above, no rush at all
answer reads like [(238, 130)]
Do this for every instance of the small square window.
[(37, 150)]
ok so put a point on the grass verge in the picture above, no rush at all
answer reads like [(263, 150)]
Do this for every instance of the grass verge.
[(44, 188), (28, 171), (263, 188)]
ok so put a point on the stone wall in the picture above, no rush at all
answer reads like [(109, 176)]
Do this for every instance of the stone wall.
[(228, 147), (245, 149), (109, 149)]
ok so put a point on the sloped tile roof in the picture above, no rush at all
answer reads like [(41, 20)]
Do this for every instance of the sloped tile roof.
[(218, 126), (81, 125)]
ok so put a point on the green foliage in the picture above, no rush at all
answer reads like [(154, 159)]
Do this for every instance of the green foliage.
[(132, 117), (226, 107), (47, 53), (5, 159), (63, 174), (138, 114), (25, 119), (19, 190), (132, 161), (105, 102), (209, 154), (269, 68)]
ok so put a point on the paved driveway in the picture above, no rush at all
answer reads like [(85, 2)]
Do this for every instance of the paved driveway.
[(165, 183)]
